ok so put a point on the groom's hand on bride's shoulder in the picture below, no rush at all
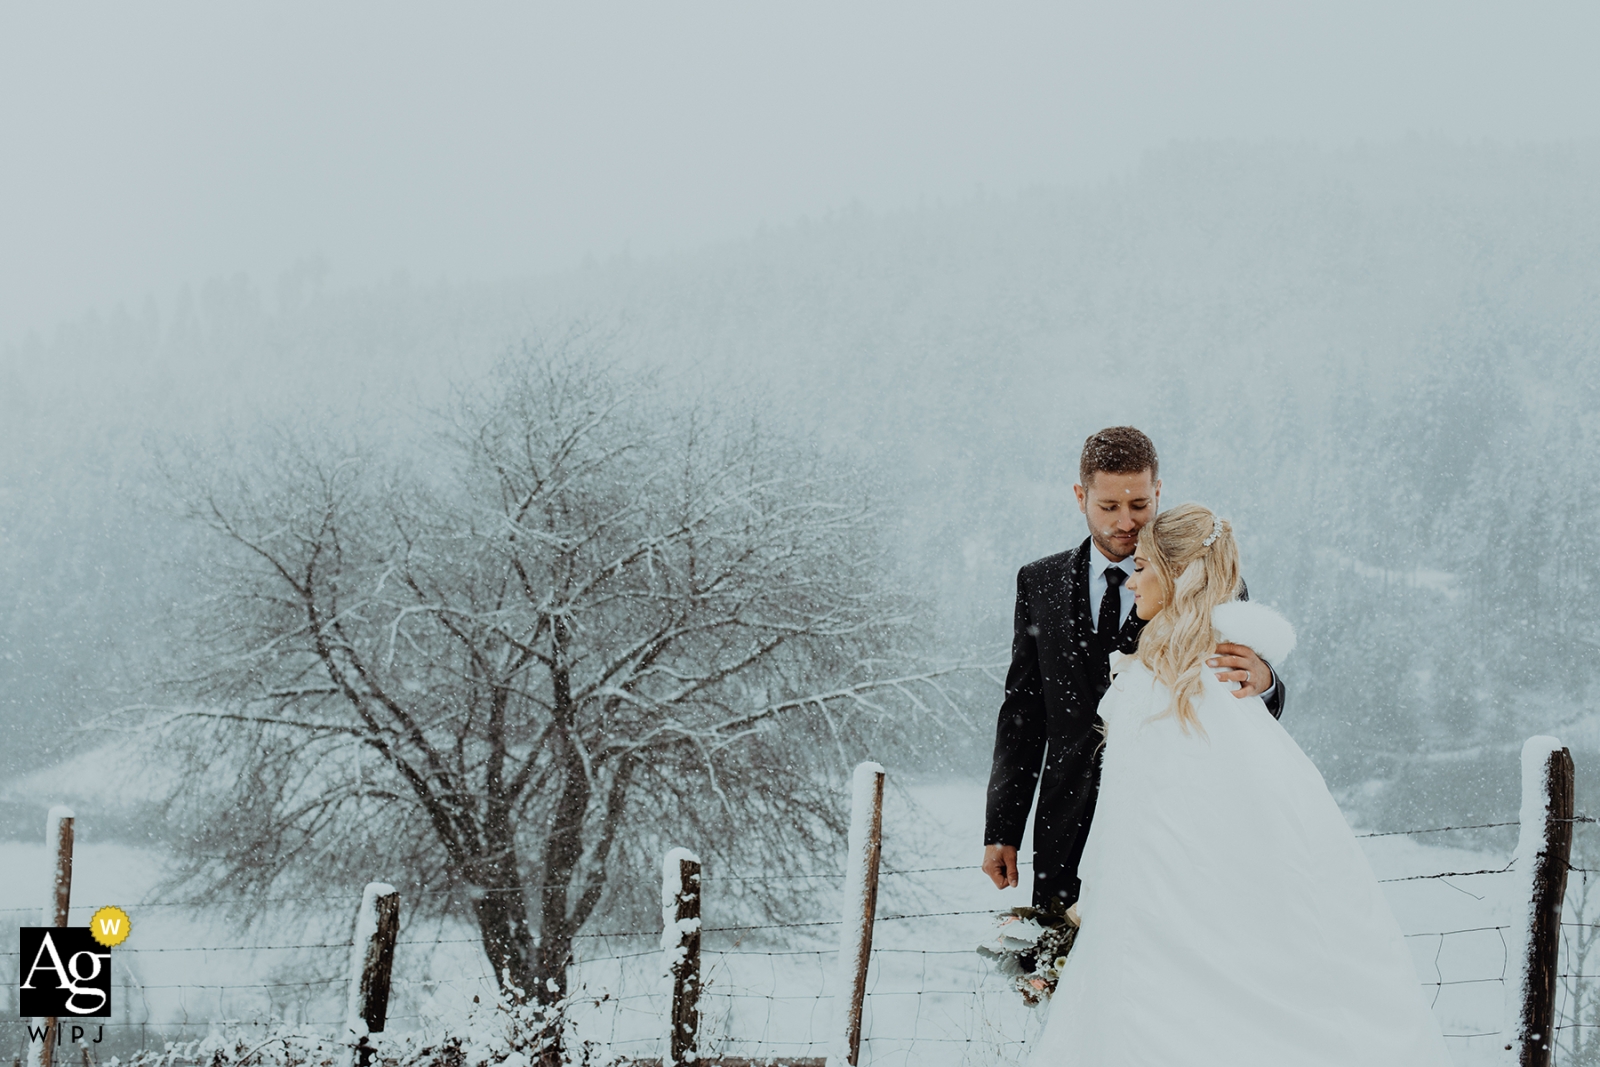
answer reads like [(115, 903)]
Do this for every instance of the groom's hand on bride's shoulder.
[(1000, 864), (1239, 663)]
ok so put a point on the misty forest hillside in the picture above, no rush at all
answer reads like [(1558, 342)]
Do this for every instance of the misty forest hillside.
[(1379, 362)]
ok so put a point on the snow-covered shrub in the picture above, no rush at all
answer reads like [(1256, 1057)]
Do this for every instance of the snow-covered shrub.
[(497, 1034)]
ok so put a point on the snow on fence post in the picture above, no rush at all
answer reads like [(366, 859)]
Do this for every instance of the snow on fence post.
[(371, 962), (680, 942), (1544, 845), (860, 911), (58, 842)]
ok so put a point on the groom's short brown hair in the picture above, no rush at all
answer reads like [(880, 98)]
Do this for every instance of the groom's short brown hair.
[(1117, 450)]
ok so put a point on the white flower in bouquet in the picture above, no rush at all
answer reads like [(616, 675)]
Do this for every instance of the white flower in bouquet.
[(1030, 947)]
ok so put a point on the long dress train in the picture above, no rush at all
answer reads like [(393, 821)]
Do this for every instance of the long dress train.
[(1229, 916)]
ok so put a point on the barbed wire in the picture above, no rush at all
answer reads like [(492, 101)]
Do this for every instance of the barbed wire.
[(1442, 829), (1447, 874), (1463, 930), (728, 929), (472, 892)]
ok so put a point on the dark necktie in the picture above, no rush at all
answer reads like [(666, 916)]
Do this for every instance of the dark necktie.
[(1111, 609)]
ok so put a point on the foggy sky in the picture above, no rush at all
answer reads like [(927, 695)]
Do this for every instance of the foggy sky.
[(145, 147)]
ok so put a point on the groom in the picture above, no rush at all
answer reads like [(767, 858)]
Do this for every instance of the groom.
[(1073, 611)]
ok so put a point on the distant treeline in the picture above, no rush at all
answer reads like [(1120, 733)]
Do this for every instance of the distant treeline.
[(1379, 362)]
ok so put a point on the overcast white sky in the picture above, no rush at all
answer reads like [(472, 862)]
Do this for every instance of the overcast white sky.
[(144, 146)]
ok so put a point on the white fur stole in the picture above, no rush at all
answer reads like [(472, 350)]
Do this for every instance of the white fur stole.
[(1256, 626)]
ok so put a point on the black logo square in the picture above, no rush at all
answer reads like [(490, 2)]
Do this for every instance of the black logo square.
[(66, 973)]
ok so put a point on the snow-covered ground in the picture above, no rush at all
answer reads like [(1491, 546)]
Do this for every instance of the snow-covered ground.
[(932, 1000)]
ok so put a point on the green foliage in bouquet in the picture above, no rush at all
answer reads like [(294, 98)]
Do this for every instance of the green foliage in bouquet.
[(1030, 946)]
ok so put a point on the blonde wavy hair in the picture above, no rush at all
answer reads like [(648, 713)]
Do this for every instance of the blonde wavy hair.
[(1194, 577)]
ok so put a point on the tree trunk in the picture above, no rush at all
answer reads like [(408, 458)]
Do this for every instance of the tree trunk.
[(502, 913), (502, 921), (563, 850)]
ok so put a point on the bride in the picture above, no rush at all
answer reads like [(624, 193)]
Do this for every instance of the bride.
[(1228, 915)]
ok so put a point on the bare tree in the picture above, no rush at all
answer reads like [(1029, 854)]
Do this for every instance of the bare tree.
[(581, 616)]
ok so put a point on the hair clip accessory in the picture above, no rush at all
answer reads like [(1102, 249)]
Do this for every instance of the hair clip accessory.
[(1216, 531)]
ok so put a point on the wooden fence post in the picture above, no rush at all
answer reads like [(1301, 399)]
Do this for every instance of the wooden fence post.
[(680, 941), (1544, 846), (860, 910), (371, 963), (58, 843)]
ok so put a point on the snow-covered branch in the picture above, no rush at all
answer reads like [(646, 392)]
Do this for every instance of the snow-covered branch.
[(606, 599)]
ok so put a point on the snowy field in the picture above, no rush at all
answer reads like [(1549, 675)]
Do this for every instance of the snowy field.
[(932, 1000)]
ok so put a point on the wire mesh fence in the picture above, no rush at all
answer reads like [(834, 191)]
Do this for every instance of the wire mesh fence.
[(903, 971), (769, 988)]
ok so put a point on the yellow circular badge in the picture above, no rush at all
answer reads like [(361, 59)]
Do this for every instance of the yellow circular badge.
[(110, 926)]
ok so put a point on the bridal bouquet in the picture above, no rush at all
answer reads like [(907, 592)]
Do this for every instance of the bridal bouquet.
[(1030, 947)]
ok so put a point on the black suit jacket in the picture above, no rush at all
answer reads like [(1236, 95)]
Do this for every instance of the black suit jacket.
[(1046, 732)]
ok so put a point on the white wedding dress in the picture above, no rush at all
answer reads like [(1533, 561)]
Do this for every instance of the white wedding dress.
[(1229, 917)]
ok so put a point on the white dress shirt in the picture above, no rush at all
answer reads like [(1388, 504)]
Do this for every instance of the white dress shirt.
[(1098, 565)]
